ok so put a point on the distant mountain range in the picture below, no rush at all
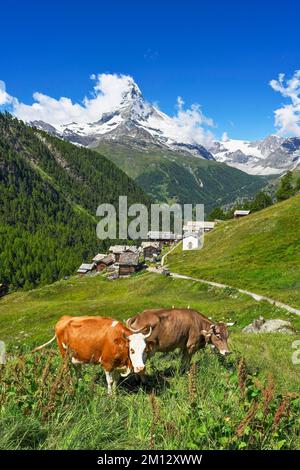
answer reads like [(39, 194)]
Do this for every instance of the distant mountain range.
[(272, 155), (152, 149), (143, 125)]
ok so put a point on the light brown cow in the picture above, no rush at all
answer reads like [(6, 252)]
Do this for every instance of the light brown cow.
[(186, 329), (104, 341)]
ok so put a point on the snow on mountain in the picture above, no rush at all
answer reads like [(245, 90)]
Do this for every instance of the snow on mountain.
[(272, 155), (133, 118)]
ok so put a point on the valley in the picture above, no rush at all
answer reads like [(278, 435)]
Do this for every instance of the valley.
[(169, 176)]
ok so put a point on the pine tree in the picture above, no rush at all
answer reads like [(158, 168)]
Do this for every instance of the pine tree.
[(261, 201), (286, 188)]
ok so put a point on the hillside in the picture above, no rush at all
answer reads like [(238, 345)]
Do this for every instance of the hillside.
[(207, 407), (27, 318), (260, 252), (49, 192), (173, 176)]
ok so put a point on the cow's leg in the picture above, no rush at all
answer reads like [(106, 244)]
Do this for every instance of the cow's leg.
[(112, 380), (187, 355), (185, 360), (116, 376), (61, 345), (109, 380), (77, 367)]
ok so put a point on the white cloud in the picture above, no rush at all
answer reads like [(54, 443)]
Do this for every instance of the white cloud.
[(287, 118), (106, 95), (188, 125), (225, 137), (5, 98)]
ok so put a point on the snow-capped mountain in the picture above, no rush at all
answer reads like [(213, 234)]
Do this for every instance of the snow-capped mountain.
[(272, 155), (142, 125), (133, 118)]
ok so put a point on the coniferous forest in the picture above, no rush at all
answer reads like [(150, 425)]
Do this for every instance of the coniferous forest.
[(49, 193)]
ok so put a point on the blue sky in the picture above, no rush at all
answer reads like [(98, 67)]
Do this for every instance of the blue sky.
[(221, 55)]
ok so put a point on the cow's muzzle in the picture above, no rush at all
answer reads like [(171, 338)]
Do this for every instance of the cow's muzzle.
[(139, 370), (225, 352)]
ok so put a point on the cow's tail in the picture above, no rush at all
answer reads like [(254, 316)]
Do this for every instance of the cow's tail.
[(44, 345)]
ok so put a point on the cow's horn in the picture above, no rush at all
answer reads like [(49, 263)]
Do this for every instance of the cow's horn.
[(231, 323), (148, 334), (128, 322), (135, 331)]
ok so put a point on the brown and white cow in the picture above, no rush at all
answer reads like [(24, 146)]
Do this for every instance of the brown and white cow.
[(104, 341), (186, 329)]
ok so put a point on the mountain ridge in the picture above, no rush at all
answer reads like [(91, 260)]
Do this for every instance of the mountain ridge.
[(133, 117), (272, 155)]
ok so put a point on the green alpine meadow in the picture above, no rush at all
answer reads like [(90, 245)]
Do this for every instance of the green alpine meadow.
[(248, 400), (149, 234)]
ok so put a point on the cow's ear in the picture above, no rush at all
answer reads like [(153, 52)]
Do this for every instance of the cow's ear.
[(149, 346)]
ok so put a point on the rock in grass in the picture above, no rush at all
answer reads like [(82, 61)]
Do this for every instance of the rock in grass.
[(270, 326)]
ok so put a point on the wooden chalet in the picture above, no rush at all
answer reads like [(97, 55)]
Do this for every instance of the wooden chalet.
[(128, 263), (99, 257), (163, 237), (241, 213), (86, 268), (150, 249), (105, 262), (117, 250), (199, 225)]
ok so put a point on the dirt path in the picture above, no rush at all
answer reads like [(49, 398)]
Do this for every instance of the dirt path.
[(170, 251), (257, 297)]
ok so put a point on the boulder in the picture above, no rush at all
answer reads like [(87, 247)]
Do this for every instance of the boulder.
[(270, 326)]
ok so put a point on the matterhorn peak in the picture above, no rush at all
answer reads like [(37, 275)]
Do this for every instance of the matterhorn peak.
[(132, 91)]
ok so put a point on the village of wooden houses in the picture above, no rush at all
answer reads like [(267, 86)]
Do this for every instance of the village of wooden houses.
[(124, 260)]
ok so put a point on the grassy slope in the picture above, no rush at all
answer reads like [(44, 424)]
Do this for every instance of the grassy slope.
[(27, 319), (48, 408), (260, 252), (167, 176)]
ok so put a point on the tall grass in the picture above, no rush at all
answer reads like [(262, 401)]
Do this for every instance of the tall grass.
[(218, 405)]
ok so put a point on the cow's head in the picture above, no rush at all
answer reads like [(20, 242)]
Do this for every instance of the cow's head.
[(137, 350), (217, 335)]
